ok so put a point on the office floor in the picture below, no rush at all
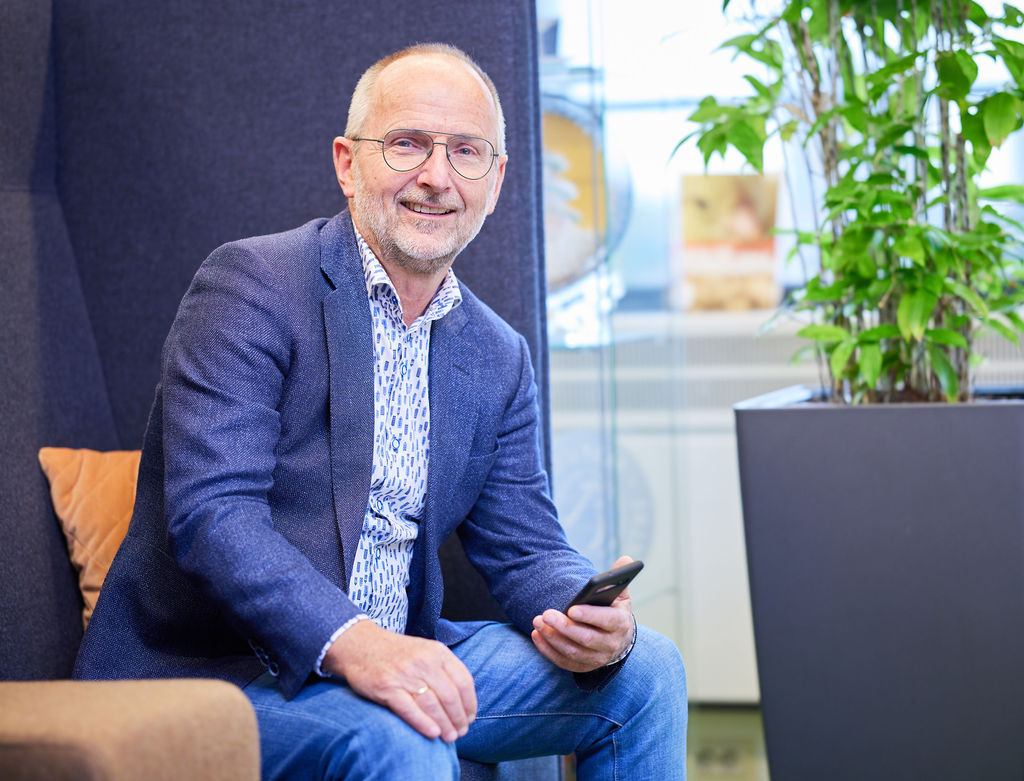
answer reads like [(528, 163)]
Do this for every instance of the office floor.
[(725, 744)]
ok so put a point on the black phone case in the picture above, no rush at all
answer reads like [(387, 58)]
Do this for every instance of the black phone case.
[(603, 588)]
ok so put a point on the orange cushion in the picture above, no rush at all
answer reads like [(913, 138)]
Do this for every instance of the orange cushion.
[(93, 494)]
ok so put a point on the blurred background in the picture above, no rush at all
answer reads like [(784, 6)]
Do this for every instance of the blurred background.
[(662, 277)]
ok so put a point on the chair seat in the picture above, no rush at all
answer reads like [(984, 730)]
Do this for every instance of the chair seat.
[(177, 730)]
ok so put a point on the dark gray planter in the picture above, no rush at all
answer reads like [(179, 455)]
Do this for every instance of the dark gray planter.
[(885, 547)]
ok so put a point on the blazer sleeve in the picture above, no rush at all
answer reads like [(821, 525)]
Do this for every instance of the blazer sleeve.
[(224, 365), (512, 533)]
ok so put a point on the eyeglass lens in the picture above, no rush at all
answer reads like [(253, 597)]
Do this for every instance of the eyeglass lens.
[(407, 149)]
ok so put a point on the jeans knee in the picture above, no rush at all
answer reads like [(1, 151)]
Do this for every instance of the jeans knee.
[(402, 752), (659, 666), (389, 748)]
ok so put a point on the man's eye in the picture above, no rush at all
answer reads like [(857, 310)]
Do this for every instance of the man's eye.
[(464, 150), (407, 144)]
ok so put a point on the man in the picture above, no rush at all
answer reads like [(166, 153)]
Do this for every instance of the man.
[(333, 405)]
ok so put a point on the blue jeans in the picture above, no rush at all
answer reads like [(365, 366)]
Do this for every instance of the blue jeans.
[(635, 728)]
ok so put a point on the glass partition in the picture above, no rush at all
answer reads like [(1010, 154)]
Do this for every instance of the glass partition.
[(661, 278)]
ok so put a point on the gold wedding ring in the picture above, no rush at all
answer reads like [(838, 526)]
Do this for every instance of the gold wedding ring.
[(422, 690)]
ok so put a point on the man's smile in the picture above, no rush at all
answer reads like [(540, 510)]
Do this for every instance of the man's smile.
[(422, 208)]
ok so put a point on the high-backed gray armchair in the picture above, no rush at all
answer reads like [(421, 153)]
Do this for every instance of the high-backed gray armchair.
[(134, 139)]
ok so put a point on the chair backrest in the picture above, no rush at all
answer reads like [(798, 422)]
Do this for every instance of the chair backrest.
[(52, 388), (144, 135)]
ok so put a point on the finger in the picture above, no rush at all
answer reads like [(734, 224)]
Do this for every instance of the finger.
[(572, 653), (451, 708), (602, 631), (556, 657), (462, 679), (622, 561), (610, 619), (452, 692), (582, 643), (548, 651), (405, 705), (430, 702), (593, 653)]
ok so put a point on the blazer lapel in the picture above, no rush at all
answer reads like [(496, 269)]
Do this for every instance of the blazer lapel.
[(453, 414), (453, 400), (350, 366)]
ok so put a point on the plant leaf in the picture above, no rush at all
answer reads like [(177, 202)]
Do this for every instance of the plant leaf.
[(970, 296), (870, 364), (749, 143), (1016, 320), (709, 110), (840, 357), (741, 42), (945, 372), (884, 75), (956, 74), (1013, 56), (948, 337), (909, 246), (1012, 16), (913, 313), (1003, 192), (879, 332), (1004, 330), (973, 127), (1001, 116), (824, 333), (713, 141)]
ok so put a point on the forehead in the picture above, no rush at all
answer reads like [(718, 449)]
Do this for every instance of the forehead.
[(433, 92)]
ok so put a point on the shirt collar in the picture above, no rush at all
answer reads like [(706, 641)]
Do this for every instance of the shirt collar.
[(380, 288)]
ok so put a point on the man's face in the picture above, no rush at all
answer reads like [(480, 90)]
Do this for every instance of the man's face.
[(421, 219)]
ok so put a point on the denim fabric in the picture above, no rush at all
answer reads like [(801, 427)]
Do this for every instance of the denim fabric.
[(633, 728)]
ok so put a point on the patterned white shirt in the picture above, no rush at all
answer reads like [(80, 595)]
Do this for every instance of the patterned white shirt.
[(401, 420)]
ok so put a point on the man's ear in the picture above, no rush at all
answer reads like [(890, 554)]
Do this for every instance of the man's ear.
[(497, 184), (343, 151)]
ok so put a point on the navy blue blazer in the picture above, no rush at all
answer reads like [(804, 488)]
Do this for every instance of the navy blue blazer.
[(256, 467)]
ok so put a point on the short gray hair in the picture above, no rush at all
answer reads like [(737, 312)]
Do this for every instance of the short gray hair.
[(362, 95)]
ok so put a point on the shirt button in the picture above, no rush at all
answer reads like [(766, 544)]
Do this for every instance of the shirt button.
[(394, 443)]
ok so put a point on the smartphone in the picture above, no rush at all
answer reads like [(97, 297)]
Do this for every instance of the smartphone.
[(604, 587)]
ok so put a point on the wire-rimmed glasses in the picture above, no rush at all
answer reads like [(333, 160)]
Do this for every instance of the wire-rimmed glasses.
[(405, 149)]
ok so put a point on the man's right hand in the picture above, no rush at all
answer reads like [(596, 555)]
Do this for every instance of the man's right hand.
[(421, 680)]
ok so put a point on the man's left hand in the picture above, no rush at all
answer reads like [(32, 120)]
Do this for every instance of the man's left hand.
[(588, 636)]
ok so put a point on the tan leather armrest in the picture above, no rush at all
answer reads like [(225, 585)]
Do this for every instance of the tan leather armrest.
[(113, 730)]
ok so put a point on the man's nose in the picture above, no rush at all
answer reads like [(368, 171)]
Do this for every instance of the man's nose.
[(436, 172)]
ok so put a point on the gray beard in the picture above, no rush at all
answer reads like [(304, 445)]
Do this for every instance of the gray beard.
[(393, 251), (392, 243)]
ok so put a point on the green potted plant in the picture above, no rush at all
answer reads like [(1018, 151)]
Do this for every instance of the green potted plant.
[(885, 540), (915, 259)]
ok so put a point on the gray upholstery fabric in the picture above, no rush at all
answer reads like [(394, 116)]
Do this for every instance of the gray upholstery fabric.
[(185, 125), (51, 386), (134, 139)]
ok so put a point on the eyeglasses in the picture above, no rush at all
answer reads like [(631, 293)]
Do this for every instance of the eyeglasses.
[(404, 150)]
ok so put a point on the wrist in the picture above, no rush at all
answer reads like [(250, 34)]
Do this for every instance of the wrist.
[(330, 661), (629, 646)]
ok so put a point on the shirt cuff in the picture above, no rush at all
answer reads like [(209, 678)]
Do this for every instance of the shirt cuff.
[(338, 633)]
